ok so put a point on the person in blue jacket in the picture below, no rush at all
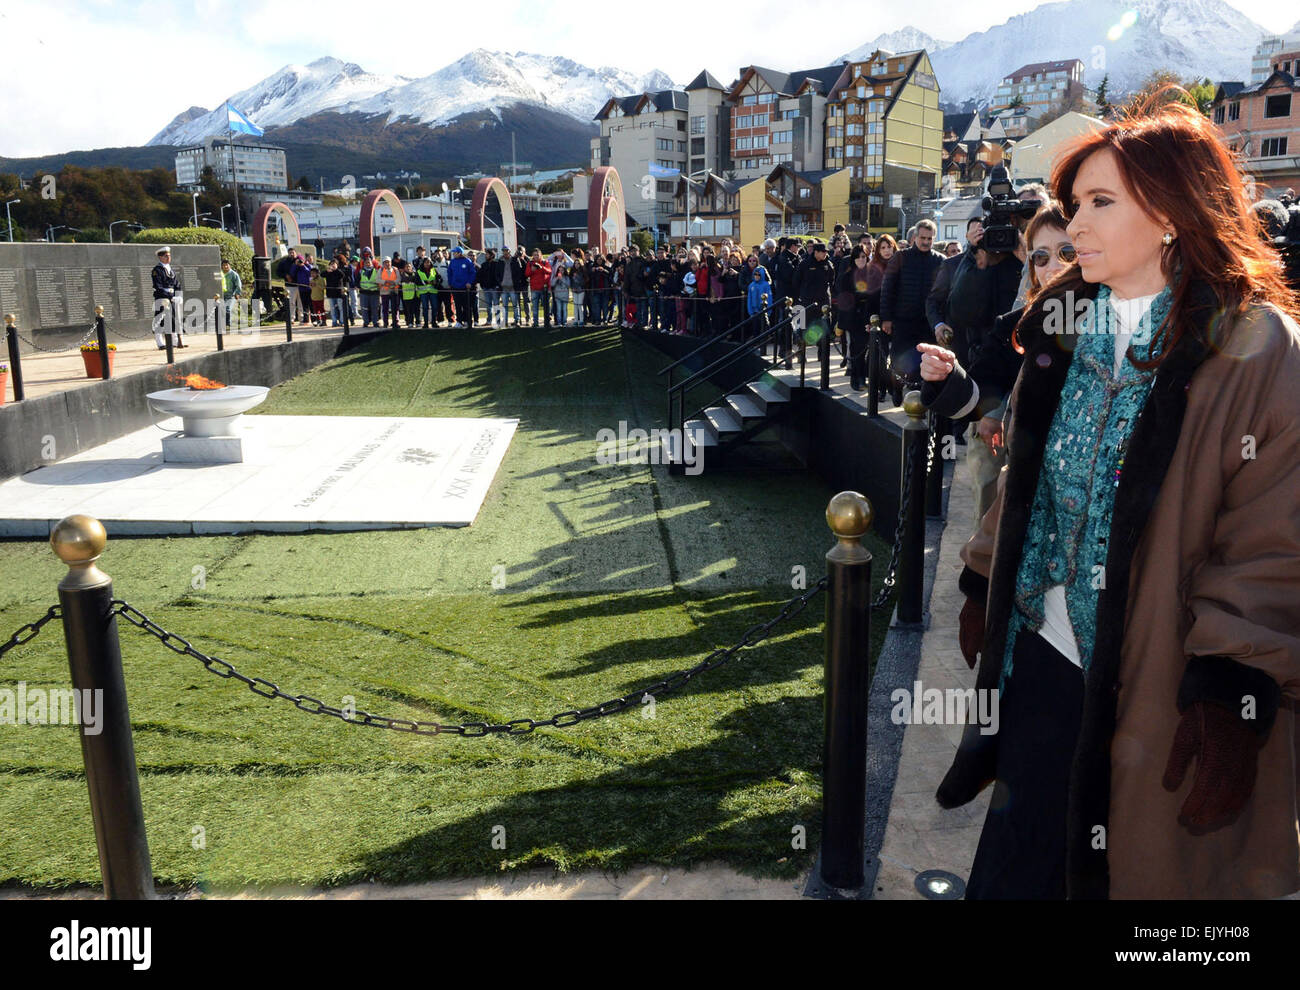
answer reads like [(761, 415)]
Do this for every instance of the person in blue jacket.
[(461, 273), (759, 287)]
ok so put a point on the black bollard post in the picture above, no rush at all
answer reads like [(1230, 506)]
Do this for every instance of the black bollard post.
[(916, 437), (873, 366), (15, 359), (95, 659), (101, 338), (288, 319), (824, 351), (219, 320), (940, 427), (848, 657)]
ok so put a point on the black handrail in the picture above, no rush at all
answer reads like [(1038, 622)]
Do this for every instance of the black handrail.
[(714, 338)]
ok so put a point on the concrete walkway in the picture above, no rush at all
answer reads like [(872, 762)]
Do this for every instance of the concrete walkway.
[(46, 372), (919, 834)]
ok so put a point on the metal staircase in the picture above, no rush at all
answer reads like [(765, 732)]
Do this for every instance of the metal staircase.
[(734, 416)]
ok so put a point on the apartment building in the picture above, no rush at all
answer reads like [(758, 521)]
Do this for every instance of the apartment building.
[(884, 125), (257, 166), (971, 147), (878, 118), (1261, 124), (1041, 88), (1272, 55), (644, 138)]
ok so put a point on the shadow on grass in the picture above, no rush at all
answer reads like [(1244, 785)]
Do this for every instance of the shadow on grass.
[(617, 821)]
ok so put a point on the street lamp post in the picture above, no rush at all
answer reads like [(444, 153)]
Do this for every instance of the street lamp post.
[(198, 217), (50, 232), (129, 223), (223, 214), (9, 220), (194, 197)]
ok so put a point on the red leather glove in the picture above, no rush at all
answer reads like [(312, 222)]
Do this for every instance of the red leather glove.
[(971, 630), (1226, 750)]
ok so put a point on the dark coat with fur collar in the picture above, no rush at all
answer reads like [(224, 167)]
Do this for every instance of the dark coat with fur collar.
[(1201, 602)]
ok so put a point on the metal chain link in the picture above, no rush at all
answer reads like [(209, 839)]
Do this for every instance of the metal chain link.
[(314, 706), (905, 500), (30, 631), (54, 350)]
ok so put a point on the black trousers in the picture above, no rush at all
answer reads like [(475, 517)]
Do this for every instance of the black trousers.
[(1021, 853)]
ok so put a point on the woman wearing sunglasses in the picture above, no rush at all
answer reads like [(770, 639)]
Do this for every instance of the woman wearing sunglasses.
[(1138, 614)]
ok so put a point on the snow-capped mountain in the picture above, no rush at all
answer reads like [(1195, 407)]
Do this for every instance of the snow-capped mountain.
[(481, 80), (906, 39), (1193, 38)]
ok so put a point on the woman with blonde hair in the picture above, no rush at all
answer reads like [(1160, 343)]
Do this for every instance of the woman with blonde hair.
[(1135, 588)]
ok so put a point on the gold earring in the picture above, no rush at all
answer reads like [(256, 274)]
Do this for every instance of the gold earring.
[(1167, 239)]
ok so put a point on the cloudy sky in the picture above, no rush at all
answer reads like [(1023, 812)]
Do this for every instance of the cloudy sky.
[(99, 73)]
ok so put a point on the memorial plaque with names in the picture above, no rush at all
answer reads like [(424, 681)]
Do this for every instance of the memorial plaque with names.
[(128, 295), (54, 288), (50, 304), (103, 292)]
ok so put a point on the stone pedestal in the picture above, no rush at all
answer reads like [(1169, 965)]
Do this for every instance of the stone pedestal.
[(182, 449)]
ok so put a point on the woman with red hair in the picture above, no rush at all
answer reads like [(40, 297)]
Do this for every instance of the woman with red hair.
[(1135, 587)]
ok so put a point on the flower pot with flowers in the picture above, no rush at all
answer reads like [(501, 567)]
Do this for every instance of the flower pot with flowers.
[(4, 381), (90, 357)]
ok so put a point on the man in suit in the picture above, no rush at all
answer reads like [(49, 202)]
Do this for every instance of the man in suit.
[(166, 289)]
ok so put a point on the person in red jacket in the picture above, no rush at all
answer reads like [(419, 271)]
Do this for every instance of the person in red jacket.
[(539, 284)]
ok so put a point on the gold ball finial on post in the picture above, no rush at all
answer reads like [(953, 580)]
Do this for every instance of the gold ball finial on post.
[(849, 516), (99, 310), (79, 541), (912, 405), (10, 319)]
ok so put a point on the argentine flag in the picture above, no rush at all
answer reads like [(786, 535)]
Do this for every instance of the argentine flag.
[(236, 121)]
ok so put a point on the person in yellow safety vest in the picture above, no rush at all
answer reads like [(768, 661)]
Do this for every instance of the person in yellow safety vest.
[(368, 293), (410, 282), (427, 290), (388, 294)]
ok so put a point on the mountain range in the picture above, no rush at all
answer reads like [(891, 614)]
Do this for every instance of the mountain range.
[(480, 81)]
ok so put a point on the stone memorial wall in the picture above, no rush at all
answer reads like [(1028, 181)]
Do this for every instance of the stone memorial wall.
[(54, 288)]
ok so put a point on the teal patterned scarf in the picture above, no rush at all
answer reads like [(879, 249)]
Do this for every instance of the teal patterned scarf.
[(1066, 543)]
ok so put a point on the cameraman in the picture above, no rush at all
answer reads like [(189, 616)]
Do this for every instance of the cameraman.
[(903, 293)]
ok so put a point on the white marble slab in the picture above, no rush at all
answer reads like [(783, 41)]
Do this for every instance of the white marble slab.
[(299, 473)]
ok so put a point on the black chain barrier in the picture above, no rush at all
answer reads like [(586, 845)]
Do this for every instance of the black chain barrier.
[(314, 706), (905, 500), (62, 347), (27, 633)]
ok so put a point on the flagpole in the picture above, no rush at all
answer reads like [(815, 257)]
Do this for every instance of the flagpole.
[(234, 176)]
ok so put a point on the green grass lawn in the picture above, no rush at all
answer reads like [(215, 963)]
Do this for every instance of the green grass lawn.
[(614, 577)]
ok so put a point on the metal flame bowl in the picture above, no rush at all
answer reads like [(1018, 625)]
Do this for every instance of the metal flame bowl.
[(208, 412)]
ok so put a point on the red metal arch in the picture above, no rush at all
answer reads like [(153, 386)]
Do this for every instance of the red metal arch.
[(366, 229), (482, 189), (259, 226), (605, 200)]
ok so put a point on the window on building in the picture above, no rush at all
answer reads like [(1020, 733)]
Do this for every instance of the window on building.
[(666, 162), (873, 149), (782, 137), (790, 114), (697, 164), (873, 171), (766, 97), (853, 151), (1278, 106), (663, 144), (681, 125), (853, 130), (1234, 110), (862, 92), (1272, 147), (664, 187), (744, 143), (697, 124), (804, 192), (760, 120), (681, 146), (889, 90), (857, 171), (760, 140), (853, 106), (697, 147), (1218, 115), (749, 100), (780, 159), (873, 127), (875, 106), (746, 120)]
